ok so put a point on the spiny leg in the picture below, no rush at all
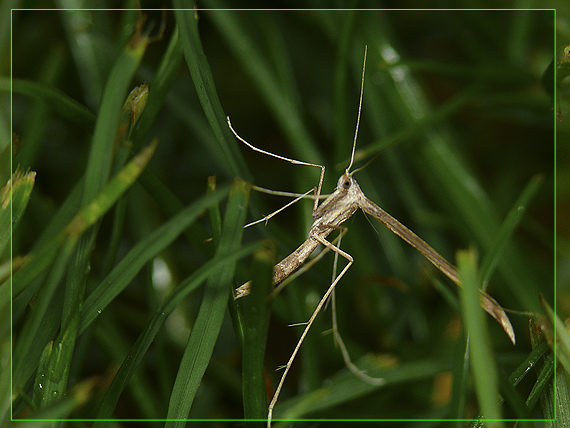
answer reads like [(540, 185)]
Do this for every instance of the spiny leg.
[(293, 161), (345, 355), (310, 322), (267, 217)]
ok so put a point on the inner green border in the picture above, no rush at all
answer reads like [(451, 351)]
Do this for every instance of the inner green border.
[(275, 420)]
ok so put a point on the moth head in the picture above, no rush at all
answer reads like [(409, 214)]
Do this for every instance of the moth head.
[(345, 182)]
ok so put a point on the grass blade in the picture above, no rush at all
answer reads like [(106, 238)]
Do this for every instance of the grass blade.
[(482, 360), (256, 319), (204, 82), (57, 252), (141, 254), (146, 338), (208, 322), (508, 227), (345, 387), (67, 107), (13, 205), (36, 262)]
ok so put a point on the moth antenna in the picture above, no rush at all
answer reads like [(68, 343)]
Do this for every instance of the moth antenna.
[(359, 110)]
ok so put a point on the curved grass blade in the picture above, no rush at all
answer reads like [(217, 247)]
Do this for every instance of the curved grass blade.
[(99, 162)]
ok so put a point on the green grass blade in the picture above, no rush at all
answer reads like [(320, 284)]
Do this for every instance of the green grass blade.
[(36, 262), (53, 253), (256, 320), (214, 213), (530, 361), (57, 371), (100, 159), (507, 229), (543, 384), (141, 254), (204, 82), (277, 97), (345, 387), (460, 379), (560, 389), (234, 307), (208, 322), (13, 206), (482, 360), (511, 397), (61, 103), (159, 87), (147, 337), (43, 310), (116, 342), (77, 396)]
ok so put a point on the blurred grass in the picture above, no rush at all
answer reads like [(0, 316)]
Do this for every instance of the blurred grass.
[(453, 102)]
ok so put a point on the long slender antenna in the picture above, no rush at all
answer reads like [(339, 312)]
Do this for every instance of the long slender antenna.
[(359, 110)]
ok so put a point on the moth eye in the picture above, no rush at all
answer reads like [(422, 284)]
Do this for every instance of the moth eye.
[(346, 184)]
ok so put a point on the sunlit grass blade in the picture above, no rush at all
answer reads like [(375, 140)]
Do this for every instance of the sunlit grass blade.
[(36, 262), (56, 252), (482, 360), (13, 205)]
